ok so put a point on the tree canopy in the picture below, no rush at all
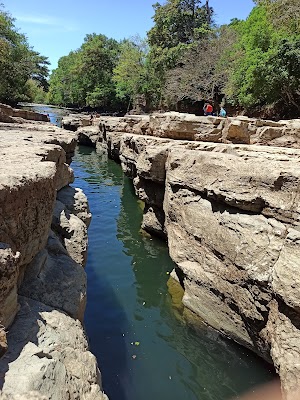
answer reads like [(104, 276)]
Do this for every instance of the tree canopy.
[(84, 77), (18, 63), (251, 65), (267, 60)]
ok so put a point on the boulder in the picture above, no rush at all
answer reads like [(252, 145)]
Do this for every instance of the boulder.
[(72, 231), (180, 126), (236, 131), (89, 135), (54, 349), (76, 202), (55, 279)]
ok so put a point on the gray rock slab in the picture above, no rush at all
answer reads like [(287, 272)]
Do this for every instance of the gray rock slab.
[(55, 279), (54, 349)]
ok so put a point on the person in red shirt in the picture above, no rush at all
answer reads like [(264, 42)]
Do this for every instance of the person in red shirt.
[(208, 109)]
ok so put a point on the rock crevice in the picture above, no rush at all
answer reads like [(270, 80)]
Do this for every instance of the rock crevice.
[(229, 210)]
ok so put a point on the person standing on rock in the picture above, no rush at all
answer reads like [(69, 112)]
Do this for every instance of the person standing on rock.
[(208, 109), (222, 112)]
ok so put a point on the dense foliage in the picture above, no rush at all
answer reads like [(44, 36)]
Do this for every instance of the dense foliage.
[(20, 66), (84, 77), (251, 65), (266, 70)]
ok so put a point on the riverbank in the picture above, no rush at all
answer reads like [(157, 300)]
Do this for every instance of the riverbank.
[(43, 239), (230, 214)]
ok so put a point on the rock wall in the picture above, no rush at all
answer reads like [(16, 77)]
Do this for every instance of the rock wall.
[(14, 115), (230, 214), (179, 126), (43, 243)]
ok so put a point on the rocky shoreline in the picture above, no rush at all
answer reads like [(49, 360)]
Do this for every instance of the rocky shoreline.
[(43, 243), (224, 193)]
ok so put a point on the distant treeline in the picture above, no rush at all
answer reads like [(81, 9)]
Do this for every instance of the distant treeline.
[(251, 65)]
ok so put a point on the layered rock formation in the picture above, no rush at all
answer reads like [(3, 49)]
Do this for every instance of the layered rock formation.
[(230, 213), (14, 115), (43, 242), (178, 126)]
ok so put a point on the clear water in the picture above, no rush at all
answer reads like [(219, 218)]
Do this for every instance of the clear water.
[(55, 113), (134, 319), (129, 301)]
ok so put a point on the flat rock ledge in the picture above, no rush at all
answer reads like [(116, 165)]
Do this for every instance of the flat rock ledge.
[(15, 115), (179, 126), (225, 194), (43, 242)]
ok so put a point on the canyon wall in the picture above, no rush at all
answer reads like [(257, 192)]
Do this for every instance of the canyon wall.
[(224, 193), (43, 241)]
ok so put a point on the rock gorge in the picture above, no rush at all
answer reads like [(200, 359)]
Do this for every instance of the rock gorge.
[(224, 193), (43, 240)]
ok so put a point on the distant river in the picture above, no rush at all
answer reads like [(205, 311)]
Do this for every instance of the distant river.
[(134, 319), (55, 113)]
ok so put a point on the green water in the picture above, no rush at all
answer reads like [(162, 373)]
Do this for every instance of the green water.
[(128, 302)]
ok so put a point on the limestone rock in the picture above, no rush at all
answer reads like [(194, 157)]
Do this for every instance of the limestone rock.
[(55, 279), (251, 179), (175, 125), (26, 396), (153, 221), (72, 122), (285, 276), (283, 334), (9, 272), (151, 192), (73, 232), (31, 170), (76, 202), (89, 135), (113, 140), (55, 351), (180, 126), (137, 124), (232, 223), (9, 114), (236, 131)]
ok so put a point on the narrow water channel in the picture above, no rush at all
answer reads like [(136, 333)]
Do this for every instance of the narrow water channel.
[(136, 328), (144, 347)]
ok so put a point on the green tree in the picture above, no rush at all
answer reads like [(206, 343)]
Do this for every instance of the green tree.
[(178, 25), (266, 67), (129, 72), (283, 13), (84, 77), (18, 62)]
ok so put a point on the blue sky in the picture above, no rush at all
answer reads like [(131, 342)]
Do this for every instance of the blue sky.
[(57, 27)]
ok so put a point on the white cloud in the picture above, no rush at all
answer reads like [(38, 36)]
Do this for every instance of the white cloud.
[(48, 21)]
